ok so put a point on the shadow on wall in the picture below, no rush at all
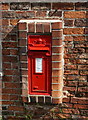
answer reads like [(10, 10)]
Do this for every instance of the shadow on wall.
[(12, 84)]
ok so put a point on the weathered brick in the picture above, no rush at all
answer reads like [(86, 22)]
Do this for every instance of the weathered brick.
[(57, 65), (6, 51), (11, 85), (9, 44), (57, 49), (41, 6), (56, 93), (40, 13), (63, 6), (10, 91), (69, 23), (79, 38), (74, 72), (56, 101), (22, 42), (20, 6), (6, 65), (81, 5), (41, 99), (11, 72), (23, 58), (55, 13), (22, 34), (14, 22), (57, 57), (57, 25), (57, 34), (73, 31), (14, 52), (39, 27), (81, 22), (22, 26), (9, 59), (82, 67), (68, 38), (57, 79), (57, 72), (5, 22), (16, 108), (56, 42), (24, 14), (5, 6), (80, 106), (31, 27), (75, 14), (46, 27)]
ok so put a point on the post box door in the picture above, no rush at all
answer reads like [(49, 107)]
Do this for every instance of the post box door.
[(39, 65)]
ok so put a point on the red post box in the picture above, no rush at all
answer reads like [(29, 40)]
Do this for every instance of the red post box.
[(39, 64)]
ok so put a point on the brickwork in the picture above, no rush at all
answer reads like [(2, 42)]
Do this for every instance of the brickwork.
[(74, 16)]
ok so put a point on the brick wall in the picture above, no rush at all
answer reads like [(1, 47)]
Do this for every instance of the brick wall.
[(75, 17)]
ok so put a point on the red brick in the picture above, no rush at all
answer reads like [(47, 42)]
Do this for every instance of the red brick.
[(57, 65), (56, 101), (81, 5), (57, 72), (9, 44), (24, 72), (79, 38), (66, 100), (31, 27), (83, 67), (11, 72), (6, 51), (46, 27), (57, 34), (80, 106), (55, 13), (5, 6), (41, 6), (14, 22), (83, 89), (69, 23), (71, 66), (11, 91), (75, 14), (69, 72), (6, 65), (13, 52), (57, 25), (23, 58), (73, 30), (56, 42), (79, 100), (63, 6), (22, 34), (39, 27), (16, 108), (7, 102), (7, 78), (41, 13), (57, 49), (22, 26), (69, 88), (9, 59), (68, 38), (12, 85), (57, 57), (5, 22)]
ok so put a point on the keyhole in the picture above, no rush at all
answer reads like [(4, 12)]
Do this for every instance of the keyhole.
[(36, 76)]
